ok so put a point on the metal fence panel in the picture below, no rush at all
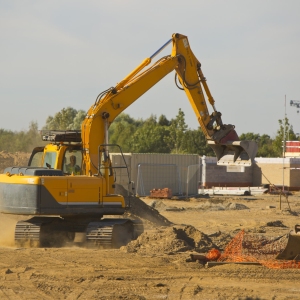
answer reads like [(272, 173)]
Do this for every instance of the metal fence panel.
[(183, 171), (181, 160), (192, 180), (158, 176)]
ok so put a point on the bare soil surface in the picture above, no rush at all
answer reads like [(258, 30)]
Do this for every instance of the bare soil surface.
[(155, 265), (8, 159)]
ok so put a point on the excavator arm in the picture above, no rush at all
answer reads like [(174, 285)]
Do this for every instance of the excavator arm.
[(69, 208), (110, 103)]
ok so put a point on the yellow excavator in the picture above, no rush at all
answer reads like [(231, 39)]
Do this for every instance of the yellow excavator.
[(68, 186)]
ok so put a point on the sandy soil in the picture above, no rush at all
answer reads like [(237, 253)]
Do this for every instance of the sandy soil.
[(156, 266), (8, 159)]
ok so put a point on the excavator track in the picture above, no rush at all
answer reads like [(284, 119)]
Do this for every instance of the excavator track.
[(57, 232), (29, 231), (110, 233)]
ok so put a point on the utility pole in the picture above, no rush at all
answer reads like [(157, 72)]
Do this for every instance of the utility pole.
[(283, 154)]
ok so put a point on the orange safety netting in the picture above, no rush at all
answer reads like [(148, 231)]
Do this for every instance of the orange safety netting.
[(249, 248), (213, 255)]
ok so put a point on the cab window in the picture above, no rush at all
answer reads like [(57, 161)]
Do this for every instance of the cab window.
[(49, 160), (73, 162), (36, 160)]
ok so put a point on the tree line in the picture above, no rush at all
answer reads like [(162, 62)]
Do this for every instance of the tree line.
[(152, 135)]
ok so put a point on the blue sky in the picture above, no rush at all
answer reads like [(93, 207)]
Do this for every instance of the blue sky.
[(56, 54)]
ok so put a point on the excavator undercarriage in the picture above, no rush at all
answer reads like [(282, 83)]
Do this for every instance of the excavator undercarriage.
[(86, 232)]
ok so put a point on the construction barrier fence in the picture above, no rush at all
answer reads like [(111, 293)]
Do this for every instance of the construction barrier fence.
[(250, 248)]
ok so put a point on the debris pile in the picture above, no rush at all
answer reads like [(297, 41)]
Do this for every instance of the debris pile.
[(257, 249), (220, 239), (170, 240), (235, 206), (161, 193), (160, 206), (276, 223), (208, 205)]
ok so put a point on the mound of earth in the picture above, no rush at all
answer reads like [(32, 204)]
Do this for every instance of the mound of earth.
[(220, 206), (159, 205), (221, 239), (235, 206), (170, 240), (13, 159)]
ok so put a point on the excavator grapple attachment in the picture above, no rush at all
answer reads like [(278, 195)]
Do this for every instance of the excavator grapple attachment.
[(234, 153), (292, 248)]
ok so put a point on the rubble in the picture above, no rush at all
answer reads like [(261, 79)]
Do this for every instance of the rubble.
[(165, 193)]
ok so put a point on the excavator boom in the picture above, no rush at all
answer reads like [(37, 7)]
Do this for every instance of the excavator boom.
[(221, 137)]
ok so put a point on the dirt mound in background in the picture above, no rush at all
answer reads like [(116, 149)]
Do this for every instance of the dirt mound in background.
[(220, 206), (140, 209), (170, 240), (8, 159), (209, 206)]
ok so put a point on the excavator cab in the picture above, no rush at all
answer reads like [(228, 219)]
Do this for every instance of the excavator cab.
[(63, 145)]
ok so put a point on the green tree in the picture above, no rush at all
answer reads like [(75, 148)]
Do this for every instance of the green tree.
[(150, 138), (195, 143), (265, 147), (265, 144), (33, 137), (175, 139), (163, 121), (250, 136), (66, 119), (121, 131), (77, 121), (22, 141), (285, 132)]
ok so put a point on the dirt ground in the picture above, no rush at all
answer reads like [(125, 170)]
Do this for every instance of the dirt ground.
[(8, 159), (156, 265)]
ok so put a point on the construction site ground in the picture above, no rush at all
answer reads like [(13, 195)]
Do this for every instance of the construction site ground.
[(157, 266)]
